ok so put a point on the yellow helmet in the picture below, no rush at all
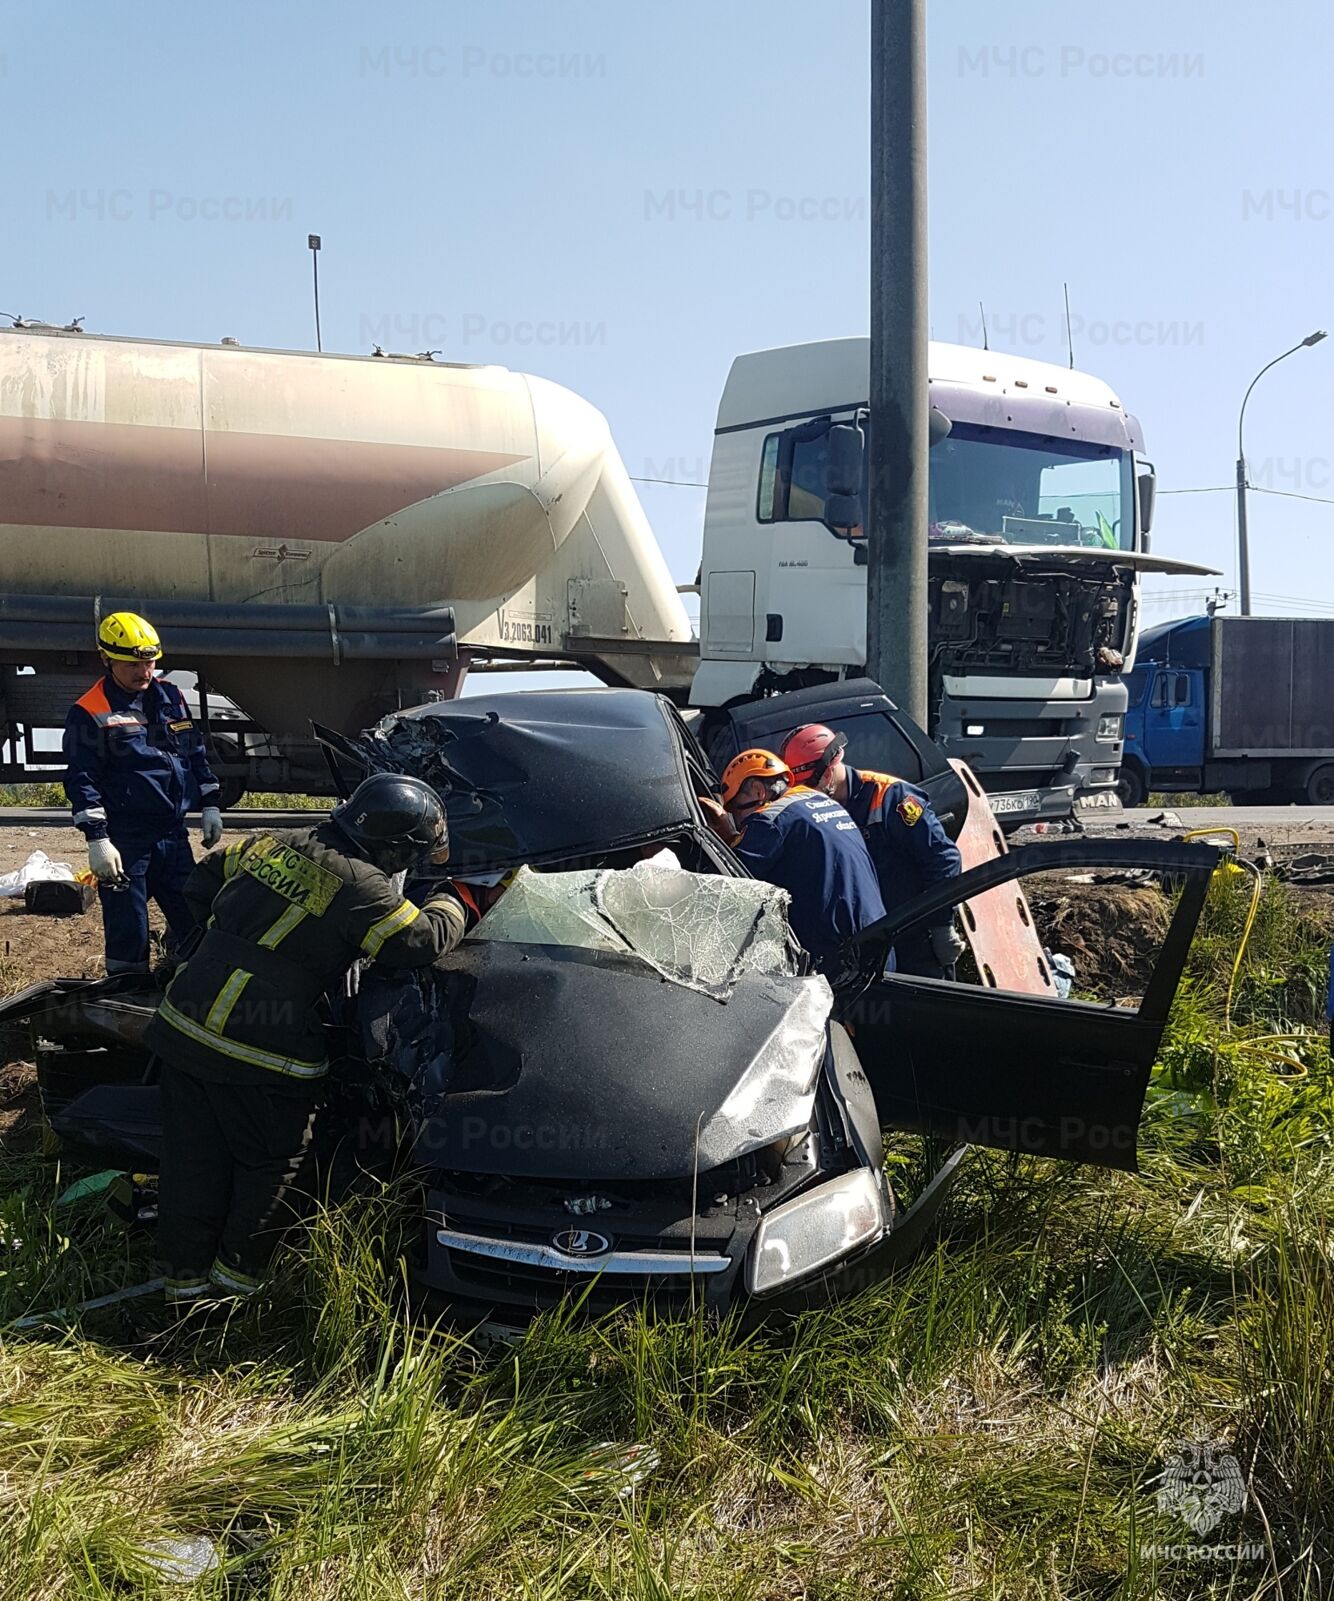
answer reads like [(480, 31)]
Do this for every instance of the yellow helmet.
[(124, 636)]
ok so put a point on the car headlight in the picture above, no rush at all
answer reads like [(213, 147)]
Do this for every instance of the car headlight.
[(817, 1228), (1109, 727)]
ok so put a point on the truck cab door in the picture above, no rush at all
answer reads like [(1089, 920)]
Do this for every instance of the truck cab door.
[(1018, 1072), (1174, 719)]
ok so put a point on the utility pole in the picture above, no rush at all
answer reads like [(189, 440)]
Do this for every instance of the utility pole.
[(896, 590)]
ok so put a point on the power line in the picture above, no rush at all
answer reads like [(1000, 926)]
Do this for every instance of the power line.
[(681, 483), (1254, 489)]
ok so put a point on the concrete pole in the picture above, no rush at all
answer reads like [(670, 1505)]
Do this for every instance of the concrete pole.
[(896, 590), (1243, 543)]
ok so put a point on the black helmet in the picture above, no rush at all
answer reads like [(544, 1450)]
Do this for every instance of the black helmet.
[(395, 820)]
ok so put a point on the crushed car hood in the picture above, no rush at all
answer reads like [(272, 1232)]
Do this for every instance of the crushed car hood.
[(572, 1064)]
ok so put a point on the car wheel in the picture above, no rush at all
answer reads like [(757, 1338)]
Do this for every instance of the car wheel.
[(1130, 786)]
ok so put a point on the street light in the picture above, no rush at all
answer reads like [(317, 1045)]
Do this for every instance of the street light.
[(1243, 548)]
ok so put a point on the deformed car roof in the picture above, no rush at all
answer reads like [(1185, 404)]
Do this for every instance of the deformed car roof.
[(540, 775)]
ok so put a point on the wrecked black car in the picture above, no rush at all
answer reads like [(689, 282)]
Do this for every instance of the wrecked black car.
[(627, 1082)]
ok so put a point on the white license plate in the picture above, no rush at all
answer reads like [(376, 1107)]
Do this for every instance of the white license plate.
[(1015, 800)]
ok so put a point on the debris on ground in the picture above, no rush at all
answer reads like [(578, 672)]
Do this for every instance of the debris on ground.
[(39, 868), (1112, 933)]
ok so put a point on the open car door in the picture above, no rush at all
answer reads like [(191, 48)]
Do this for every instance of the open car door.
[(1022, 1072)]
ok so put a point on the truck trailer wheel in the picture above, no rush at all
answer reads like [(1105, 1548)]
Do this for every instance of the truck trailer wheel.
[(231, 786), (1319, 787), (1130, 786)]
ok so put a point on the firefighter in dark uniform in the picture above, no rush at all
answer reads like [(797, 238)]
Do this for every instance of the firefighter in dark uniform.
[(135, 765), (907, 841), (239, 1032), (805, 843)]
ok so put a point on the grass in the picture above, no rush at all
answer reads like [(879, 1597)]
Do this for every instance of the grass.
[(989, 1424), (255, 800), (32, 795), (1179, 800)]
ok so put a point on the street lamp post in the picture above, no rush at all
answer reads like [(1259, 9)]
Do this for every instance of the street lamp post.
[(1243, 547)]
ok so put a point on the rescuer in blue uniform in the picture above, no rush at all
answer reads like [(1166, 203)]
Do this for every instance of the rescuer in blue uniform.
[(908, 843), (135, 767), (805, 843)]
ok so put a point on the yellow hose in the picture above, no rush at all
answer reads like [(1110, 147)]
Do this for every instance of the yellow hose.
[(1255, 1047), (1235, 866)]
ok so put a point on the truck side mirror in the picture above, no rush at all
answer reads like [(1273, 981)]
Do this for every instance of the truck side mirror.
[(1147, 483), (844, 469), (845, 457), (845, 516)]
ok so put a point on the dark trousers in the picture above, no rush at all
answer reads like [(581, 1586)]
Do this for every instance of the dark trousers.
[(237, 1164), (157, 869)]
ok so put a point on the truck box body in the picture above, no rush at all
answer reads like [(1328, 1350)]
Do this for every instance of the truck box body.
[(1272, 688), (1238, 704)]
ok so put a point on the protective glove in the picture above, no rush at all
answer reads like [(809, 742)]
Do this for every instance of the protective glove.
[(719, 820), (211, 822), (104, 859), (947, 944)]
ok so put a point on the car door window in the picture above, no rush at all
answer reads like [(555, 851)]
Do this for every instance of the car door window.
[(1052, 1077)]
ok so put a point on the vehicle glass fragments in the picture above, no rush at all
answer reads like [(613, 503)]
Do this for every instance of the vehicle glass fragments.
[(703, 931)]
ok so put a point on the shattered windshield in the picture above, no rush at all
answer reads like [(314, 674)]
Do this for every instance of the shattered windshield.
[(700, 930)]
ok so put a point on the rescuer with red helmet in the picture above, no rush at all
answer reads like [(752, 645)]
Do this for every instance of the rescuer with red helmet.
[(805, 843), (907, 841)]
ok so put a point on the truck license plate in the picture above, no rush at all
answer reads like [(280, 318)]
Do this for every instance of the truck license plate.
[(1015, 800)]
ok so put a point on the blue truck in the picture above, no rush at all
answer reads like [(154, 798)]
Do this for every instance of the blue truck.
[(1239, 704)]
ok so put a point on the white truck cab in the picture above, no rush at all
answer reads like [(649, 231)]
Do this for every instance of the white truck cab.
[(1039, 503)]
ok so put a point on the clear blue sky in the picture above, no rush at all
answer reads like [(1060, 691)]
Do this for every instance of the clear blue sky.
[(511, 181)]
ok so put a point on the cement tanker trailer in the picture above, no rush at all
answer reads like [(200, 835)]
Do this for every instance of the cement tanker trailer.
[(315, 535)]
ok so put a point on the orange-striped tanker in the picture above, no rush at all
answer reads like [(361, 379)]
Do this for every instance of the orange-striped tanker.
[(316, 535)]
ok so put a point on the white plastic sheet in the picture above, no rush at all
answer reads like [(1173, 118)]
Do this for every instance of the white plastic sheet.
[(38, 866)]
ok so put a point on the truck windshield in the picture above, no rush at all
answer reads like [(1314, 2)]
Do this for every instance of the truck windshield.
[(996, 486), (988, 486)]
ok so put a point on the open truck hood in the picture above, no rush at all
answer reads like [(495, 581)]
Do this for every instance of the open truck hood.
[(1140, 560)]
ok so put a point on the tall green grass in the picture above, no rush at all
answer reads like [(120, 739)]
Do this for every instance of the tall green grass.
[(989, 1423)]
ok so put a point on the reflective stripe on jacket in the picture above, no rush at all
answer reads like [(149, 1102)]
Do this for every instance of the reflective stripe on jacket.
[(286, 915), (808, 845), (135, 763)]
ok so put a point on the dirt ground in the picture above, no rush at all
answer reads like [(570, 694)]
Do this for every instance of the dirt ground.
[(34, 948), (1111, 932)]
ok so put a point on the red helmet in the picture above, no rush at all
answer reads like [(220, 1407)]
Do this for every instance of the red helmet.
[(811, 750), (751, 764)]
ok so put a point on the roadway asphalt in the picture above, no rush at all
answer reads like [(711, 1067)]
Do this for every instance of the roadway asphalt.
[(242, 821), (1277, 825)]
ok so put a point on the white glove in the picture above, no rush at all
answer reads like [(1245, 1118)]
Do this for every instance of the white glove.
[(211, 821), (104, 859), (947, 944)]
